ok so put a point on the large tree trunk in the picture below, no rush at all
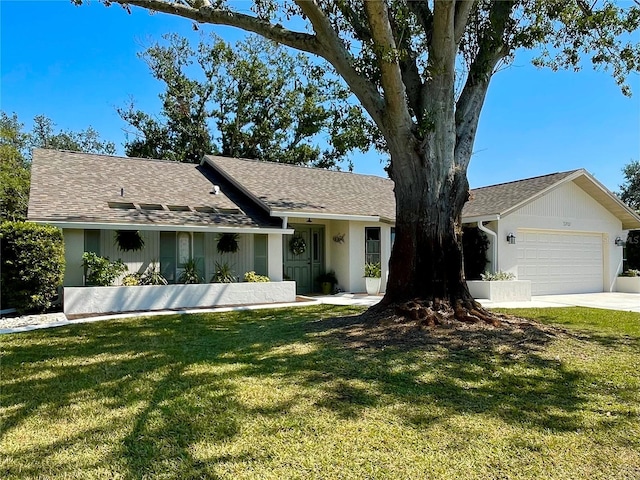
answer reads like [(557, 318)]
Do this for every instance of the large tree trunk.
[(426, 280)]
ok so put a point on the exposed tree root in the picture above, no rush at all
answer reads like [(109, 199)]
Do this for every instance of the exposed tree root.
[(430, 313)]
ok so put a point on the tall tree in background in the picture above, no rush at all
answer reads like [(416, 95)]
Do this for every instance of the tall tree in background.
[(252, 100), (43, 136), (630, 190), (14, 169), (15, 157), (404, 61)]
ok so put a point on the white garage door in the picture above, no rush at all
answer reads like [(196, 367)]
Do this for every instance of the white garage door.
[(560, 262)]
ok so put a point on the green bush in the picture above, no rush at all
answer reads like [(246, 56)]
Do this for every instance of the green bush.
[(254, 277), (190, 273), (474, 248), (372, 270), (633, 250), (152, 275), (498, 276), (223, 274), (100, 271), (32, 265), (131, 280)]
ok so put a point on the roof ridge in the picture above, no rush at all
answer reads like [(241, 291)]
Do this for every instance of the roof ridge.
[(119, 157), (306, 167), (567, 172)]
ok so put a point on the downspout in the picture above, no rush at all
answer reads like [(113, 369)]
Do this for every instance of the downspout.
[(494, 244)]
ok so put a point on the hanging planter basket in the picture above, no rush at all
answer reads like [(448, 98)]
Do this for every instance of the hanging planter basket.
[(129, 240), (228, 243), (297, 245)]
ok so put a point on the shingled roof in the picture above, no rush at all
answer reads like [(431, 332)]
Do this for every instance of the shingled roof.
[(72, 187), (282, 188), (501, 198), (85, 188)]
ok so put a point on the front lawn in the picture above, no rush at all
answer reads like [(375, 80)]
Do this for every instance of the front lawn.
[(302, 393)]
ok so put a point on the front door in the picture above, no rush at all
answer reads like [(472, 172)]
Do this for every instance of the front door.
[(304, 267)]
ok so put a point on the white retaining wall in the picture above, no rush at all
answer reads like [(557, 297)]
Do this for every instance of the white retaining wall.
[(501, 290), (91, 300)]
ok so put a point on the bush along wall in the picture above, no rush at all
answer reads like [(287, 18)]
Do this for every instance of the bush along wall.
[(633, 250), (474, 247), (32, 265)]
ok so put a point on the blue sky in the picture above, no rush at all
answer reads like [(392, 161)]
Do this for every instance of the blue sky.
[(77, 64)]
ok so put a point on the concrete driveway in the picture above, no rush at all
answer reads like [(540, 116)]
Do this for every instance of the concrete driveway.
[(629, 302), (608, 300)]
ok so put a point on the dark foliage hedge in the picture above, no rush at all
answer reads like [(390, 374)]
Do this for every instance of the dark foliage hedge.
[(32, 265), (474, 249), (633, 250)]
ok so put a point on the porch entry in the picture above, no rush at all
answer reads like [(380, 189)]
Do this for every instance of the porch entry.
[(305, 267)]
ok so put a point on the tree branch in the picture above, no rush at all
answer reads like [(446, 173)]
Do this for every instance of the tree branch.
[(463, 9), (206, 14), (333, 50), (424, 15), (387, 54), (492, 48)]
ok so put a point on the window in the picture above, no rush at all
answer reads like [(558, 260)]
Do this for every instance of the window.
[(92, 241), (393, 235), (176, 249), (372, 245)]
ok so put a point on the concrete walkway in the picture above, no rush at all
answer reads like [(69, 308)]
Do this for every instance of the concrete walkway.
[(610, 301)]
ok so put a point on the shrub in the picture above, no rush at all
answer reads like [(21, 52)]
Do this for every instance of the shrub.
[(32, 265), (190, 273), (223, 274), (630, 273), (131, 280), (254, 277), (372, 270), (328, 277), (228, 243), (152, 275), (633, 250), (129, 240), (474, 248), (100, 271), (498, 276)]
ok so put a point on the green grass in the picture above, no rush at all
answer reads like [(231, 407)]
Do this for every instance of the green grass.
[(285, 394)]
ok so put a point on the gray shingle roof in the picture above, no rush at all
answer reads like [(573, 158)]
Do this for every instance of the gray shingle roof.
[(498, 199), (78, 187), (282, 188)]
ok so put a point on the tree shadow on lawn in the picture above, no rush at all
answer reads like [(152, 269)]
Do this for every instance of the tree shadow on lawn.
[(180, 377)]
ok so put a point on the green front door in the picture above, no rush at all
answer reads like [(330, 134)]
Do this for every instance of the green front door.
[(305, 267)]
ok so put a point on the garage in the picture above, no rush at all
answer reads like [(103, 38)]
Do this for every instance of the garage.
[(558, 262)]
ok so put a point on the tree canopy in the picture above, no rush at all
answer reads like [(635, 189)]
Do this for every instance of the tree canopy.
[(421, 70), (630, 190), (15, 157), (251, 100)]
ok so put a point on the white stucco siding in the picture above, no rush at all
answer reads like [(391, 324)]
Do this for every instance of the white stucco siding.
[(337, 254), (357, 254), (570, 211)]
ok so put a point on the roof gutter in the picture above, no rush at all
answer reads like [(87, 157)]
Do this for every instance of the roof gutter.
[(173, 228), (326, 216), (481, 218)]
